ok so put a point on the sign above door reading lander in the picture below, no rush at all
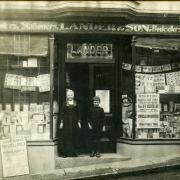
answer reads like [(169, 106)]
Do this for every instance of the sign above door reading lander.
[(89, 50)]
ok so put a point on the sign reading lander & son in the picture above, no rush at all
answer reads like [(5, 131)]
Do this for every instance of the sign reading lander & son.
[(68, 27), (89, 51)]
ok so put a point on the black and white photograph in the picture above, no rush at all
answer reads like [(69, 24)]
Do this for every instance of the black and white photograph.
[(89, 90)]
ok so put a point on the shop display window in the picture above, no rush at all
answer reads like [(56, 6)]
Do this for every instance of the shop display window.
[(24, 87), (157, 89), (155, 75)]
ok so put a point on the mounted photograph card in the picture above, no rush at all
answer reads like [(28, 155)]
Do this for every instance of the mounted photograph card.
[(17, 107), (39, 108), (175, 65), (166, 67), (38, 117), (138, 68), (46, 107), (159, 81), (12, 81), (25, 63), (156, 68), (25, 107), (177, 78), (41, 128), (126, 66), (8, 107), (33, 107), (147, 69), (14, 157), (104, 96), (25, 119), (149, 83), (170, 78), (23, 81), (28, 83), (32, 62), (6, 130)]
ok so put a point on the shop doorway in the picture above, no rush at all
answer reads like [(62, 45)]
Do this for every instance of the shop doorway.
[(87, 80)]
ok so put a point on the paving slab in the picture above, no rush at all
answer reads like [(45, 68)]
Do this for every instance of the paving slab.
[(84, 160), (103, 171)]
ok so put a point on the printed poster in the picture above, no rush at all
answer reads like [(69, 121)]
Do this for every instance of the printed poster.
[(104, 96), (14, 157), (148, 114), (43, 82)]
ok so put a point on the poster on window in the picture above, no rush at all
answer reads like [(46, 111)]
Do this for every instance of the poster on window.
[(43, 82), (14, 156), (148, 114), (104, 96)]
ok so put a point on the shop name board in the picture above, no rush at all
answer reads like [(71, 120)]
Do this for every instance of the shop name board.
[(89, 50), (60, 27)]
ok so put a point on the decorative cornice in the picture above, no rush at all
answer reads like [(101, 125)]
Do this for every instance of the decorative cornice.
[(109, 11)]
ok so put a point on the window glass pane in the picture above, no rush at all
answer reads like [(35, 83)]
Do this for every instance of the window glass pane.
[(24, 93), (157, 88), (127, 91)]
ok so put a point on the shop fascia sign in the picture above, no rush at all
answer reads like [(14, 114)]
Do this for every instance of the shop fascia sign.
[(60, 27)]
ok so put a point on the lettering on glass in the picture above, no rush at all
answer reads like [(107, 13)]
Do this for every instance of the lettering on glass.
[(88, 50)]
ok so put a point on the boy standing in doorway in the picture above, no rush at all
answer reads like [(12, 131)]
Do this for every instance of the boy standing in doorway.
[(96, 124)]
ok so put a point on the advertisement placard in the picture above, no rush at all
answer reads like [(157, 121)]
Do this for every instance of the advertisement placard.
[(14, 156), (148, 114)]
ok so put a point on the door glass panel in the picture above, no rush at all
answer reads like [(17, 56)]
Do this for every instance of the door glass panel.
[(103, 86)]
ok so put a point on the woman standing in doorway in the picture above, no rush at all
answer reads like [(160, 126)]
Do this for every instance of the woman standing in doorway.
[(70, 123)]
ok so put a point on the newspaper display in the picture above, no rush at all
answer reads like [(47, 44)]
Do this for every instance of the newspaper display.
[(148, 114), (14, 157), (23, 83)]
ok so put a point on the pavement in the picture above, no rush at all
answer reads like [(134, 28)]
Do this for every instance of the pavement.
[(122, 168)]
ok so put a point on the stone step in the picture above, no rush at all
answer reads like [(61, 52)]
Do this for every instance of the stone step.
[(85, 160)]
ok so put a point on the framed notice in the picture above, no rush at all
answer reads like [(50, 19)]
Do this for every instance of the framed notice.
[(104, 96), (14, 157), (148, 114)]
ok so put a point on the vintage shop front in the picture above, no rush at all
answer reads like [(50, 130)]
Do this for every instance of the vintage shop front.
[(134, 68)]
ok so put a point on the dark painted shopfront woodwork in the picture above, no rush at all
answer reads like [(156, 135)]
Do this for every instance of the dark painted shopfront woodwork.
[(98, 69)]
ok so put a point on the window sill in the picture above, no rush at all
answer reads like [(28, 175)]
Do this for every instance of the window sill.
[(42, 142), (149, 141)]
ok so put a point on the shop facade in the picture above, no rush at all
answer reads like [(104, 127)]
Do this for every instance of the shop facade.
[(133, 67)]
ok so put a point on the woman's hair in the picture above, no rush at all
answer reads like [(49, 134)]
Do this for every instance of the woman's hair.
[(69, 90)]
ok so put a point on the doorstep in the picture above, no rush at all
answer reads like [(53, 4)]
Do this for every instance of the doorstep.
[(86, 160)]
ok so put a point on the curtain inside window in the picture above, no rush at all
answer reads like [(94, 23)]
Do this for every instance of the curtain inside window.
[(24, 45)]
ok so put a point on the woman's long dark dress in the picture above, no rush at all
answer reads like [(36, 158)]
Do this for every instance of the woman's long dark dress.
[(70, 117)]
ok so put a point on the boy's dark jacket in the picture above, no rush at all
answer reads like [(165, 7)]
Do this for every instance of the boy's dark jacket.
[(96, 117)]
